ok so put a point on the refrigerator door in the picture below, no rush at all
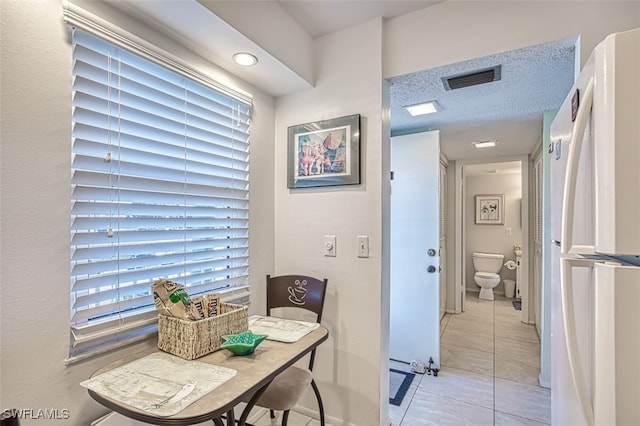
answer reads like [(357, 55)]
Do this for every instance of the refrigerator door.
[(617, 345), (601, 326), (616, 111), (597, 126)]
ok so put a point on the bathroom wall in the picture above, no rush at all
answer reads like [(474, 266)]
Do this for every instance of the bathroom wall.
[(493, 238)]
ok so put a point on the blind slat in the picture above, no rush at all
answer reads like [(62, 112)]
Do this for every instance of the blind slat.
[(148, 261), (79, 239)]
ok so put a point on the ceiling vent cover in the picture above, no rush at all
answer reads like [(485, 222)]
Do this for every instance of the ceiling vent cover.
[(472, 79)]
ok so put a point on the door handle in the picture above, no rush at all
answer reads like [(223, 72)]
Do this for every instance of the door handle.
[(431, 269)]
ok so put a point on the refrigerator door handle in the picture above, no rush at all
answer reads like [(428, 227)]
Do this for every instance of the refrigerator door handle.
[(575, 149), (570, 331)]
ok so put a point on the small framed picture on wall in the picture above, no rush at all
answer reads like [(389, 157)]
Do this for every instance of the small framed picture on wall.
[(490, 209)]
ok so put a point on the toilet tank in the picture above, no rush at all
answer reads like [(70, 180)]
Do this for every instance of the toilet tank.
[(488, 262)]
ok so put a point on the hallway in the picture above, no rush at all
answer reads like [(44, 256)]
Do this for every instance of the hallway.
[(489, 372)]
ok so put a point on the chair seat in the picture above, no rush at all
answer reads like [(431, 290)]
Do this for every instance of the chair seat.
[(285, 390)]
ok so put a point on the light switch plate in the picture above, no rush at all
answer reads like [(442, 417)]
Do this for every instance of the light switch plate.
[(330, 245), (363, 245)]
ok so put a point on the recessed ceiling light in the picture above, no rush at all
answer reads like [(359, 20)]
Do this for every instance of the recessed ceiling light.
[(485, 144), (245, 59), (423, 108)]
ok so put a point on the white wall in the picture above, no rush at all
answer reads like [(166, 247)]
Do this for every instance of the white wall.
[(348, 365), (35, 179), (456, 31), (35, 160), (493, 238)]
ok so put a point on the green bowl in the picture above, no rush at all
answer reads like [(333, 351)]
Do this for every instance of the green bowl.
[(242, 343)]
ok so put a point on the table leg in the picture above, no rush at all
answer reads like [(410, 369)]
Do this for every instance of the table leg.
[(231, 420), (250, 404), (218, 422)]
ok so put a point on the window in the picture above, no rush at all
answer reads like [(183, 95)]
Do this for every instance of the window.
[(159, 189)]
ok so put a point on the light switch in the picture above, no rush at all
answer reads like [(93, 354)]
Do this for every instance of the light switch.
[(363, 245), (330, 245)]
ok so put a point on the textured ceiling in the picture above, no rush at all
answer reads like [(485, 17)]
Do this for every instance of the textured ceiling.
[(534, 80)]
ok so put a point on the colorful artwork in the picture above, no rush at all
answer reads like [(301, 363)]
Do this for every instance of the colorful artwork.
[(324, 153)]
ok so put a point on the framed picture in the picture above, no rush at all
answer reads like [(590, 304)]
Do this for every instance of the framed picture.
[(490, 209), (324, 153)]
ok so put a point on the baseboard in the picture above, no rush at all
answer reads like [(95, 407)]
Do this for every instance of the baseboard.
[(543, 383), (333, 421)]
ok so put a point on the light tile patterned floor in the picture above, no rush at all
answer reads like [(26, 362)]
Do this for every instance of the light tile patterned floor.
[(489, 374)]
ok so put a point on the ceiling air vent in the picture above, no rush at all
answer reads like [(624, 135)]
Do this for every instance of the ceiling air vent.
[(472, 79)]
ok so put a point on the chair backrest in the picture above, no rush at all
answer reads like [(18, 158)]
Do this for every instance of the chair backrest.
[(9, 417), (296, 291)]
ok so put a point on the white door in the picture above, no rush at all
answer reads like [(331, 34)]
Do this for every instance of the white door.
[(599, 326), (415, 265)]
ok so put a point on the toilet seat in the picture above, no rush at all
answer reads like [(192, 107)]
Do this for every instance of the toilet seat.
[(487, 275)]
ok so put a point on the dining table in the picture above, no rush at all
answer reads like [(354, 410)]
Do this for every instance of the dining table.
[(253, 374)]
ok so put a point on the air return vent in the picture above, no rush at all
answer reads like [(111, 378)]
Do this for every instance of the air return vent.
[(472, 79)]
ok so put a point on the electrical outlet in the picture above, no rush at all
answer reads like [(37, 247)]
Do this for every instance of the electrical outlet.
[(330, 245), (363, 245)]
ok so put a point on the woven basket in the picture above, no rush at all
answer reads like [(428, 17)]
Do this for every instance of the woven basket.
[(193, 339)]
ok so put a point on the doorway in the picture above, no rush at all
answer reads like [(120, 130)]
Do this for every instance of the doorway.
[(507, 178)]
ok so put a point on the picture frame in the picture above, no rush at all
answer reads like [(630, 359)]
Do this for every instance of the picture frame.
[(490, 209), (324, 153)]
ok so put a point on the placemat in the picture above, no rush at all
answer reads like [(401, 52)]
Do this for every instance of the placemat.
[(280, 329), (155, 379)]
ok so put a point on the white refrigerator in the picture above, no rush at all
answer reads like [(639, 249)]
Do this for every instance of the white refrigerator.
[(595, 250)]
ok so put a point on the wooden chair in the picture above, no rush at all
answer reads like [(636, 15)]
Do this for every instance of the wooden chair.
[(9, 418), (303, 292)]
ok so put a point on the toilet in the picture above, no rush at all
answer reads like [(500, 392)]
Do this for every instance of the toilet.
[(487, 266)]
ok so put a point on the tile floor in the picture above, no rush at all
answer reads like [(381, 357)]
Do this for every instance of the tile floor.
[(489, 374)]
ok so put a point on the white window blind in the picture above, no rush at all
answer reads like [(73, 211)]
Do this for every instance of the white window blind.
[(159, 189)]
